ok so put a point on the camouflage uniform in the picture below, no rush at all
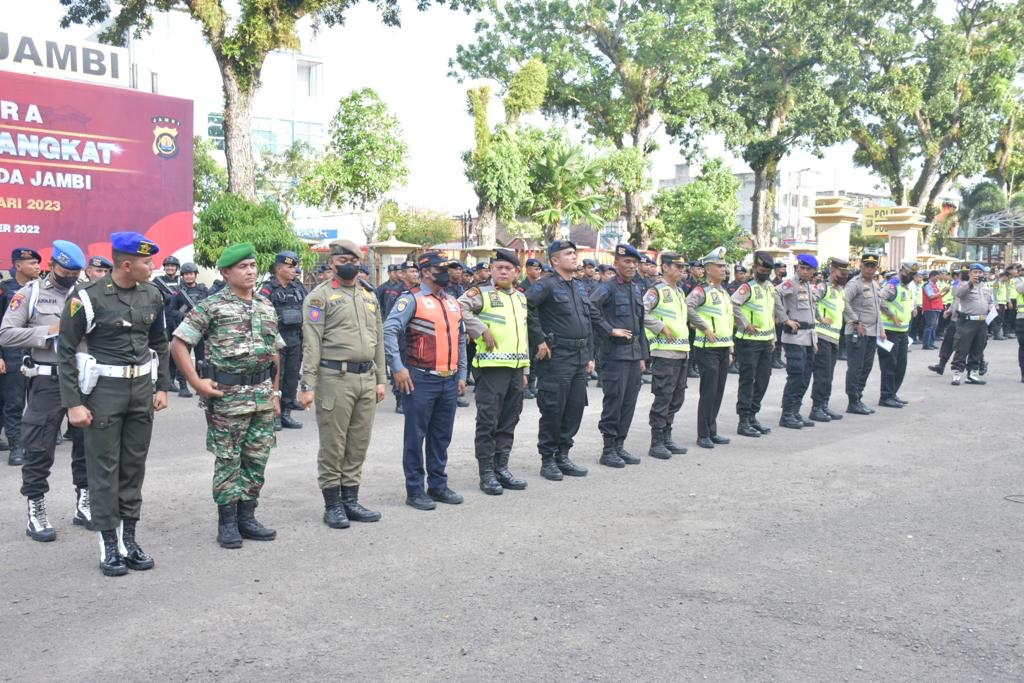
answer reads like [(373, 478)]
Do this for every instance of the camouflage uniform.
[(242, 339)]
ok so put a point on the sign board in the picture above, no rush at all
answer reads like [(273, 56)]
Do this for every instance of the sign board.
[(78, 61), (79, 161), (870, 216)]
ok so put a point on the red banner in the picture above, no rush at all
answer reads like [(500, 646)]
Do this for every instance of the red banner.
[(80, 161)]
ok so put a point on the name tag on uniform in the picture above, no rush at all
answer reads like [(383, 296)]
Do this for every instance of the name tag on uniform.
[(868, 292), (495, 300)]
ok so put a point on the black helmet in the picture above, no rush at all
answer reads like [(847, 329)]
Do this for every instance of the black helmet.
[(188, 267), (172, 261)]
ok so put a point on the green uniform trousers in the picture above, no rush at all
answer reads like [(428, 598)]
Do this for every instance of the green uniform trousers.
[(241, 445), (116, 445), (345, 407)]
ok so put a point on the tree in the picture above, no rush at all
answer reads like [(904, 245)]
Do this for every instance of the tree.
[(1006, 163), (279, 176), (240, 44), (209, 179), (977, 201), (566, 186), (425, 228), (231, 218), (365, 159), (610, 64), (693, 219)]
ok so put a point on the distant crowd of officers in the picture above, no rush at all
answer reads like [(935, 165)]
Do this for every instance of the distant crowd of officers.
[(106, 351)]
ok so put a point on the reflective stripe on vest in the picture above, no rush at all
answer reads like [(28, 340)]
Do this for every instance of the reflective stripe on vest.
[(716, 314), (903, 306), (505, 316), (433, 333), (831, 306), (671, 310), (760, 311)]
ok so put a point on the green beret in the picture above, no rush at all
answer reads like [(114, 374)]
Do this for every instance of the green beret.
[(235, 253)]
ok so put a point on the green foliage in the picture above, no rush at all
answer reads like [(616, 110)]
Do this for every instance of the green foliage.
[(944, 227), (229, 219), (526, 91), (365, 156), (279, 176), (502, 175), (566, 186), (478, 99), (209, 178), (860, 240), (425, 228), (693, 219), (977, 201)]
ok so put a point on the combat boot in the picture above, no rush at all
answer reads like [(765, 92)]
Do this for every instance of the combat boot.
[(488, 482), (4, 446), (973, 378), (982, 368), (248, 526), (956, 378), (758, 426), (672, 446), (791, 421), (505, 476), (83, 514), (626, 456), (831, 413), (353, 510), (134, 556), (227, 526), (287, 422), (746, 429), (818, 414), (567, 466), (610, 454), (938, 368), (111, 562), (398, 406), (183, 391), (334, 510), (277, 424), (16, 457), (857, 407), (39, 528), (548, 468), (658, 449)]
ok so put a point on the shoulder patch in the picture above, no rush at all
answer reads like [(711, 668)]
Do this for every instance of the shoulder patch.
[(786, 285), (75, 305), (473, 291), (316, 314), (744, 289), (16, 301), (402, 304), (697, 290)]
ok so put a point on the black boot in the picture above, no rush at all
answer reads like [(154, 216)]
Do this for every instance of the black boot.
[(227, 526), (610, 453), (746, 429), (183, 390), (831, 413), (626, 456), (567, 466), (399, 408), (758, 426), (287, 422), (672, 446), (818, 414), (938, 368), (134, 557), (353, 509), (488, 482), (248, 525), (16, 457), (658, 449), (505, 476), (277, 424), (803, 420), (857, 407), (334, 511), (111, 562), (791, 421), (548, 468)]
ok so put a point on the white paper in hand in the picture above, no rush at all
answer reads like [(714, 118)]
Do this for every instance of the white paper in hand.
[(992, 315), (884, 344)]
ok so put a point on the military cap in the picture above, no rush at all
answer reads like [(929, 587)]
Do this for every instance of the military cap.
[(392, 267), (780, 265), (408, 264), (25, 254), (869, 259), (505, 255), (627, 251), (889, 274), (341, 247), (741, 269), (648, 260), (189, 268), (547, 269), (431, 258), (604, 268), (764, 259), (323, 268), (100, 262), (288, 258), (172, 261), (671, 258), (974, 266), (836, 262), (532, 262), (807, 260), (910, 265), (456, 264), (133, 243), (481, 265), (236, 253), (696, 263), (560, 245), (589, 262), (68, 254), (716, 256)]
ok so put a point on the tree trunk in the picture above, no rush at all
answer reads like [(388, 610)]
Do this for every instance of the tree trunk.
[(763, 216), (238, 99), (487, 224), (634, 225)]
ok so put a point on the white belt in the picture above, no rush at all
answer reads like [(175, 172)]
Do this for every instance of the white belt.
[(39, 369), (123, 371)]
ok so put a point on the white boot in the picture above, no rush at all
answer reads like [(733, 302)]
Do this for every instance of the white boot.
[(39, 528)]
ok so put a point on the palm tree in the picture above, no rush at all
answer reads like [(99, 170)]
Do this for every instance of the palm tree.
[(565, 187)]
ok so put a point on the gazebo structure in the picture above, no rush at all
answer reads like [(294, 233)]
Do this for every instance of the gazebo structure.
[(903, 224), (1003, 229), (832, 219), (385, 253)]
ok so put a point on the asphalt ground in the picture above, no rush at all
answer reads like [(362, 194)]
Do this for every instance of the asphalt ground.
[(875, 548)]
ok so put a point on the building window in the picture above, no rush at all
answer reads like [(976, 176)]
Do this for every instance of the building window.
[(215, 129), (307, 76), (804, 201), (310, 133)]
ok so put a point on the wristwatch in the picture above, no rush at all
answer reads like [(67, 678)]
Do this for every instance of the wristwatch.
[(277, 394)]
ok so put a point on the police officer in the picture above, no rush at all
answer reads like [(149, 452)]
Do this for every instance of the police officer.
[(897, 307), (409, 279), (617, 314), (831, 304), (560, 331), (780, 275), (168, 286), (949, 317), (425, 344), (32, 322), (669, 338), (590, 276), (754, 317), (709, 311), (741, 277), (974, 299), (190, 293), (455, 288), (481, 273), (98, 267), (343, 369), (495, 317), (796, 310), (12, 382), (389, 290), (286, 293), (695, 277), (118, 320), (863, 329)]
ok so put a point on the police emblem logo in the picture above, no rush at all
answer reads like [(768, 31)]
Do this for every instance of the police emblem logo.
[(74, 305), (26, 255), (495, 299), (715, 299), (621, 251), (16, 302), (315, 314), (145, 249), (165, 136), (428, 303), (402, 305)]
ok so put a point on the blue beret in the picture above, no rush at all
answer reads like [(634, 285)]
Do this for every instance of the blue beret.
[(68, 254), (133, 243), (408, 265), (560, 245), (100, 262), (590, 262), (323, 268), (288, 258), (25, 254), (807, 260), (365, 269), (533, 262), (978, 266), (392, 267), (627, 250), (480, 266), (547, 269)]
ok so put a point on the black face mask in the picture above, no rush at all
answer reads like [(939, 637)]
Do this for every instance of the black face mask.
[(66, 282), (762, 277), (905, 279), (443, 278), (347, 271)]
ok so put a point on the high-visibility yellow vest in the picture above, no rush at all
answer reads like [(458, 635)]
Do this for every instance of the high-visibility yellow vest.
[(1017, 294), (947, 293), (1000, 292), (504, 313), (671, 310), (902, 306), (760, 311), (716, 314), (831, 306)]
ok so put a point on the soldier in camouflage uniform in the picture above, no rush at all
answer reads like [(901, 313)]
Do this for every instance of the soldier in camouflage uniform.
[(240, 390)]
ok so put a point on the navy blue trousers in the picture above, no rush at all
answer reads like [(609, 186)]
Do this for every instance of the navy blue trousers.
[(429, 417)]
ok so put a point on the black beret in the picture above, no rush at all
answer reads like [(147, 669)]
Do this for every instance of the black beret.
[(505, 255)]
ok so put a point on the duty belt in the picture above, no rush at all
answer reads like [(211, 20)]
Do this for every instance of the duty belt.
[(33, 368), (347, 366), (972, 317), (232, 379), (123, 371), (436, 373), (566, 343)]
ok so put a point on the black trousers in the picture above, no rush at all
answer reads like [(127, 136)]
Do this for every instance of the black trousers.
[(948, 342), (668, 384), (620, 382), (824, 370), (860, 358), (714, 370), (561, 398), (755, 361), (944, 323), (12, 397), (291, 363), (499, 402), (799, 370), (777, 353), (893, 364), (916, 325), (43, 415), (972, 336), (1020, 345)]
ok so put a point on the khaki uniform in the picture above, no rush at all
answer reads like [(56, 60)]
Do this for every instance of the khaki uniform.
[(343, 362)]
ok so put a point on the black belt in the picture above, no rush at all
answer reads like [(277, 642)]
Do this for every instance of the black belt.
[(232, 379), (565, 343), (347, 366)]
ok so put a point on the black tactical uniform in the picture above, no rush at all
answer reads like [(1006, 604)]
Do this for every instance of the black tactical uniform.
[(12, 382), (287, 301)]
